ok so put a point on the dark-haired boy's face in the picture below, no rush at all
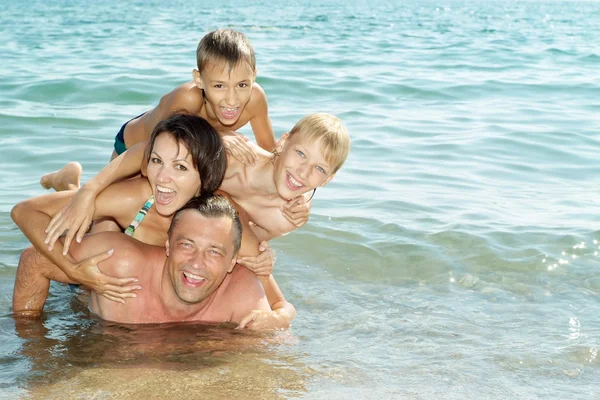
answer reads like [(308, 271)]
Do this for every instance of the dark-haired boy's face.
[(227, 89)]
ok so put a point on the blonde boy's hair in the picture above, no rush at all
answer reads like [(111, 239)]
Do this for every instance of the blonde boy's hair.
[(226, 45), (335, 140)]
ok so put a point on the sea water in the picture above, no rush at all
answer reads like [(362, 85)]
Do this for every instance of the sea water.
[(455, 254)]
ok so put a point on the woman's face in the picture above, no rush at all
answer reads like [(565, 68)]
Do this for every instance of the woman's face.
[(172, 175), (300, 167)]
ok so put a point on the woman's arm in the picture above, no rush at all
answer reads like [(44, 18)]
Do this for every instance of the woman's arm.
[(32, 215), (76, 216)]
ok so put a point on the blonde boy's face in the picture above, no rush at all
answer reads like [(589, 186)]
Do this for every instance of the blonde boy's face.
[(300, 167), (227, 90)]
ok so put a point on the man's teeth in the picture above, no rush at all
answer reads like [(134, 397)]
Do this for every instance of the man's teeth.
[(191, 276), (294, 181), (164, 190)]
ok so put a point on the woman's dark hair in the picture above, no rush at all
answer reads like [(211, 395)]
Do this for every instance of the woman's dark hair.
[(203, 143)]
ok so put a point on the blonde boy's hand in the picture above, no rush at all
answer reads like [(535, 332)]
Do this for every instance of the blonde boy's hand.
[(296, 211), (237, 145), (261, 319), (262, 264), (75, 219), (116, 289)]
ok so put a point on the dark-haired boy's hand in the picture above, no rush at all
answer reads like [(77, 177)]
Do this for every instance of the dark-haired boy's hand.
[(237, 145)]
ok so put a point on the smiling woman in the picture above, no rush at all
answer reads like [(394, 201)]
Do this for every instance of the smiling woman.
[(178, 169)]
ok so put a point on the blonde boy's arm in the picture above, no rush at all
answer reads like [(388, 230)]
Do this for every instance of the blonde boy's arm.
[(260, 121)]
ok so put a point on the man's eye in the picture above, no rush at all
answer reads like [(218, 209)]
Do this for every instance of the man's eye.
[(243, 85), (218, 86)]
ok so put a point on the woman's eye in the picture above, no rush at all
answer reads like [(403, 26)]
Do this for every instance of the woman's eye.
[(181, 167), (155, 160)]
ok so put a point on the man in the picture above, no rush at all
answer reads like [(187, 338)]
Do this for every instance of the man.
[(195, 279)]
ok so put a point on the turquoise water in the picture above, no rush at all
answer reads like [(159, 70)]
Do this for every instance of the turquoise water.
[(455, 255)]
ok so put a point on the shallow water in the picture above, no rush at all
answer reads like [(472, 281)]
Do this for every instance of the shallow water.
[(455, 255)]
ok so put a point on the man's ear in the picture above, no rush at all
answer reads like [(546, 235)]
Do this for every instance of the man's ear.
[(198, 79), (167, 247), (233, 261)]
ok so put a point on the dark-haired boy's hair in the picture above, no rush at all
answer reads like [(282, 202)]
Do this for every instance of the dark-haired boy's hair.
[(215, 206), (225, 45), (203, 143)]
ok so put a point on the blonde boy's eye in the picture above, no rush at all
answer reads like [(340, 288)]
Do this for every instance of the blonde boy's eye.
[(301, 154), (321, 169)]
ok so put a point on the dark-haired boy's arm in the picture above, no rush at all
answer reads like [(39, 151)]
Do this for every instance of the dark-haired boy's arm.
[(260, 121)]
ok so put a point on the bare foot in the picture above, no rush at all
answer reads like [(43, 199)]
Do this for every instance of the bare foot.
[(66, 178)]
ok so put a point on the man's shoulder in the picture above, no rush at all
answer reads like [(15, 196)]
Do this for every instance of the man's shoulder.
[(243, 281)]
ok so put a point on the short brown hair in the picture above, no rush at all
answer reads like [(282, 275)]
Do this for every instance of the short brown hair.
[(216, 206), (226, 45)]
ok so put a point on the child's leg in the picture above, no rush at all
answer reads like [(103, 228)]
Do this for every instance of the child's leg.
[(32, 283), (66, 178)]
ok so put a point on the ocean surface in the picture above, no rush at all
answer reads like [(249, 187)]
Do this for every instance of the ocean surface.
[(454, 256)]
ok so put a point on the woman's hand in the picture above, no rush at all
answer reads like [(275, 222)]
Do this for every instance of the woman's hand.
[(74, 219), (88, 274), (262, 264)]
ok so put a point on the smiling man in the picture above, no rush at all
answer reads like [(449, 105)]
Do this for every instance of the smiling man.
[(193, 278)]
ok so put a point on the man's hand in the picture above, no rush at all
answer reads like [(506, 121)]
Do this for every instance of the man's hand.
[(261, 320), (237, 145), (262, 264), (75, 219), (116, 289), (296, 211)]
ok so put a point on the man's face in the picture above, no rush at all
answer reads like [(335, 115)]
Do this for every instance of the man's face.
[(199, 255)]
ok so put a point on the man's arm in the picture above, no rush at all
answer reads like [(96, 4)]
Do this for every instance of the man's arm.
[(246, 294)]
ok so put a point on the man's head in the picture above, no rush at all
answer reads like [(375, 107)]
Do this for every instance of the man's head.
[(204, 238), (226, 72), (310, 154)]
